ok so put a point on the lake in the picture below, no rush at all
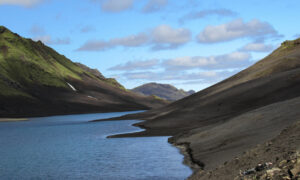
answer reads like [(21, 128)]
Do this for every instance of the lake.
[(70, 147)]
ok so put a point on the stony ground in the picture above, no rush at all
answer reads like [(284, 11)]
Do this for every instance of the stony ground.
[(283, 152)]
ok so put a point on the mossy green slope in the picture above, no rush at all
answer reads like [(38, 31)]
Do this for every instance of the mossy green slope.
[(35, 80), (24, 62)]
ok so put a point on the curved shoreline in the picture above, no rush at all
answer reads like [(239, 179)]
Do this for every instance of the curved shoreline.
[(184, 148)]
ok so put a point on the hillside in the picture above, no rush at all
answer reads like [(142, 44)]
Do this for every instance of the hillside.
[(35, 81), (164, 91), (221, 122), (283, 151)]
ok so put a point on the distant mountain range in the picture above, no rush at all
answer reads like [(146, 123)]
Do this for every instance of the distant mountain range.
[(164, 91), (36, 81), (220, 125)]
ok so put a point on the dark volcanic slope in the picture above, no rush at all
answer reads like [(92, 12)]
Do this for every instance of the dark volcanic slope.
[(223, 120), (164, 91), (36, 80), (283, 151)]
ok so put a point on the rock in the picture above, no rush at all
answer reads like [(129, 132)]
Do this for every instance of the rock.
[(296, 170), (286, 178), (264, 176), (236, 160), (282, 163), (272, 171), (237, 178)]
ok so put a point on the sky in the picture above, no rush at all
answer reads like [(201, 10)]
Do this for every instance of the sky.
[(191, 44)]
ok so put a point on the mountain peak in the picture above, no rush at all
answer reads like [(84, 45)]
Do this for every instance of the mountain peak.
[(165, 91), (290, 44), (3, 29)]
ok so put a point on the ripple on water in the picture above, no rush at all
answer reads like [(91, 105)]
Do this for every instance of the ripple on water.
[(68, 147)]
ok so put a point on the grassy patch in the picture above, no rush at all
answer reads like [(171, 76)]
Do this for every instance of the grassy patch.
[(32, 63), (115, 83)]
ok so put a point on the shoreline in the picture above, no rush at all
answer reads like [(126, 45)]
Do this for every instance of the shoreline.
[(27, 117), (188, 160), (184, 148), (46, 114), (13, 119)]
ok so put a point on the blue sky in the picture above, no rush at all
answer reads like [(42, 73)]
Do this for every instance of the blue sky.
[(190, 44)]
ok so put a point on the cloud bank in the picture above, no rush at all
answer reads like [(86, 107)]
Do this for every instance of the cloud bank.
[(231, 60), (136, 65), (116, 5), (160, 38), (24, 3), (254, 29), (207, 13), (47, 39), (185, 69), (257, 47), (154, 5)]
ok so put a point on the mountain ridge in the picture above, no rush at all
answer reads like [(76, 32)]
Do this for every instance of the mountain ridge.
[(165, 91), (35, 80)]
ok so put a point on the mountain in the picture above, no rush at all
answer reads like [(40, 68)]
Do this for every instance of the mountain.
[(219, 123), (95, 72), (36, 81), (99, 75), (164, 91)]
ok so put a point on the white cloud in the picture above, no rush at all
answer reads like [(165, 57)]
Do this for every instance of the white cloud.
[(206, 13), (231, 60), (257, 47), (154, 5), (116, 5), (60, 41), (37, 30), (136, 65), (159, 38), (185, 69), (95, 45), (41, 35), (130, 41), (25, 3), (191, 62), (87, 29), (165, 36), (48, 40), (45, 39), (221, 62), (178, 77), (237, 29)]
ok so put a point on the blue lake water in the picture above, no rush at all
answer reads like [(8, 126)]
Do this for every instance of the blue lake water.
[(69, 147)]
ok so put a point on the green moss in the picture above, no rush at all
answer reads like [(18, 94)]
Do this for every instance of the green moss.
[(115, 83), (33, 63), (290, 44), (29, 62), (158, 98), (6, 90)]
